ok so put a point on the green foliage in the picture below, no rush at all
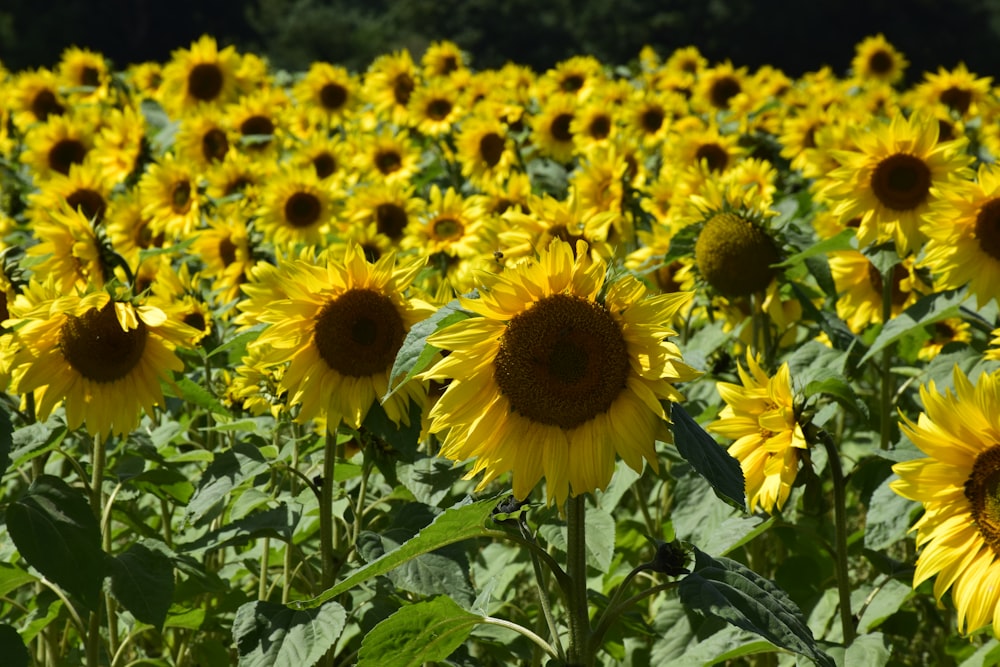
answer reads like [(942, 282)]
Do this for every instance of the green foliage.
[(272, 635)]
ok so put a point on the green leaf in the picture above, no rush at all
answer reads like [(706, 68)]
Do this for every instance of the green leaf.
[(842, 241), (192, 392), (927, 310), (229, 470), (600, 534), (415, 354), (840, 390), (237, 345), (142, 579), (269, 634), (868, 650), (6, 439), (886, 601), (456, 524), (56, 531), (279, 522), (36, 439), (12, 577), (708, 458), (888, 518), (728, 590), (416, 634), (12, 648)]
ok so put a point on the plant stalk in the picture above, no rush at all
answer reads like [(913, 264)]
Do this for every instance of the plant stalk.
[(579, 654), (840, 520)]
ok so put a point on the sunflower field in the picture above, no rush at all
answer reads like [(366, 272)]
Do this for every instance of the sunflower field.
[(667, 363)]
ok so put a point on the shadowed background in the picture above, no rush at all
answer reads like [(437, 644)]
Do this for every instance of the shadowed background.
[(795, 36)]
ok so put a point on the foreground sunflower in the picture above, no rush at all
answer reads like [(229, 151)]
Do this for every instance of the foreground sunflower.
[(102, 357), (760, 417), (958, 533), (552, 381), (338, 324)]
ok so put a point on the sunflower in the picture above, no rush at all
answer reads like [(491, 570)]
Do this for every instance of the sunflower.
[(145, 79), (386, 156), (443, 59), (595, 124), (388, 84), (339, 327), (956, 483), (434, 107), (69, 252), (118, 145), (959, 90), (760, 417), (102, 357), (84, 189), (550, 219), (33, 96), (199, 75), (552, 382), (224, 249), (705, 145), (875, 59), (329, 93), (326, 155), (860, 287), (170, 199), (58, 143), (129, 229), (485, 149), (390, 206), (238, 175), (450, 224), (892, 177), (576, 76), (295, 208), (85, 73), (943, 332), (716, 87), (176, 292), (649, 113), (204, 136), (258, 120), (550, 128)]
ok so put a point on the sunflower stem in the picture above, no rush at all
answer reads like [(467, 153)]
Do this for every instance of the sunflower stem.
[(98, 462), (885, 416), (840, 520), (541, 583), (576, 567), (326, 526)]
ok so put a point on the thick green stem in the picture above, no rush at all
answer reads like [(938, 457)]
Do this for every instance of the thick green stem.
[(98, 462), (541, 582), (326, 527), (576, 567), (840, 520), (885, 416)]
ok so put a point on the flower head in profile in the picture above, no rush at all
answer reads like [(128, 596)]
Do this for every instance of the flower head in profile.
[(558, 375), (760, 417), (959, 532)]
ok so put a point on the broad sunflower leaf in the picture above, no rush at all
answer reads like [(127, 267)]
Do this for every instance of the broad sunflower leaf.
[(726, 589), (415, 354), (227, 471), (453, 525), (927, 310), (278, 522), (35, 439), (841, 241), (142, 579), (269, 634), (12, 648), (888, 517), (708, 458), (56, 531), (416, 634), (188, 390)]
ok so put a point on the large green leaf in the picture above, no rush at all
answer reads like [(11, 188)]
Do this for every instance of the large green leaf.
[(228, 470), (453, 525), (927, 310), (416, 634), (415, 354), (12, 648), (708, 458), (888, 518), (277, 522), (728, 590), (35, 439), (269, 634), (56, 531), (142, 579)]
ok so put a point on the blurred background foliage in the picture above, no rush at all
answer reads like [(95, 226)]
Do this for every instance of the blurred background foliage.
[(795, 36)]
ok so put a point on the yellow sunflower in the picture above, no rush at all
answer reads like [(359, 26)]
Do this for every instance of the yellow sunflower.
[(551, 382), (170, 199), (68, 251), (339, 327), (576, 76), (860, 288), (963, 230), (329, 93), (296, 208), (956, 483), (943, 332), (388, 84), (33, 96), (760, 417), (204, 136), (875, 59), (103, 358), (84, 189), (258, 120), (119, 143), (224, 249), (202, 74), (434, 107), (390, 206), (717, 87), (550, 128), (892, 178), (385, 156), (961, 91), (58, 143), (85, 74), (485, 149), (550, 219), (450, 224)]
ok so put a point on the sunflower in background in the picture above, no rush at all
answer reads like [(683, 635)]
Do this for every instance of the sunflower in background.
[(85, 74), (956, 484), (103, 358), (576, 77), (551, 132), (201, 74), (389, 206), (257, 118), (890, 180), (443, 58), (34, 96), (224, 250), (338, 328), (329, 93), (296, 208), (58, 143), (876, 60), (434, 107), (388, 85), (485, 149), (204, 136), (552, 382), (170, 199), (760, 417), (961, 91), (386, 156), (84, 189), (68, 252), (860, 288), (118, 145)]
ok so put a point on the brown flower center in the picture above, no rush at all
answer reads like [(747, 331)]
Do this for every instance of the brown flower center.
[(957, 99), (391, 220), (227, 251), (97, 347), (560, 127), (401, 88), (438, 109), (447, 228), (214, 145), (988, 228), (205, 82), (600, 127), (562, 362), (901, 182), (880, 62), (180, 197), (65, 153), (724, 89), (899, 274), (303, 209), (45, 104), (651, 120), (324, 164), (572, 83), (982, 489), (735, 255), (388, 161), (332, 96), (491, 148), (359, 332), (714, 155), (90, 203)]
